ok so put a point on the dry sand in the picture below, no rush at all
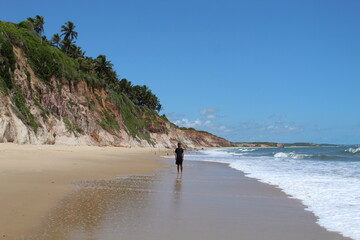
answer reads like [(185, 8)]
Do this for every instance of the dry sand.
[(33, 178)]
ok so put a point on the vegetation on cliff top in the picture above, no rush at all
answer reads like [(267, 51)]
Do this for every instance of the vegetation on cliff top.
[(62, 59)]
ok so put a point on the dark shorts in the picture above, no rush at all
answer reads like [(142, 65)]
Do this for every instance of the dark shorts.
[(179, 161)]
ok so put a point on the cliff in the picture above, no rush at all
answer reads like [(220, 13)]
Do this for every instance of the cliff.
[(46, 97)]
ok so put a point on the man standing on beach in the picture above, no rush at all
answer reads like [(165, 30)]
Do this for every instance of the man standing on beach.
[(179, 157)]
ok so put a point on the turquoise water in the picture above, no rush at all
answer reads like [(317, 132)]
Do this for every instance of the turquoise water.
[(325, 179)]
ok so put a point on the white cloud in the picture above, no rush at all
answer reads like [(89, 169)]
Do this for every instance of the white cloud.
[(207, 122), (224, 129), (206, 125), (270, 127), (184, 122), (211, 116), (207, 111), (292, 128), (274, 125), (279, 127)]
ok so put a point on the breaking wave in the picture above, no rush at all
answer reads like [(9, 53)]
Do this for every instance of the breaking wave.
[(325, 179), (353, 150)]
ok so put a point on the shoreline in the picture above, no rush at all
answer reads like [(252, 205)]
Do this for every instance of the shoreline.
[(34, 178), (208, 201), (319, 205), (300, 202)]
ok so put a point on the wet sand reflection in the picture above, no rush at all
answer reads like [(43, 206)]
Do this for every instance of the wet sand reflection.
[(177, 189), (84, 213)]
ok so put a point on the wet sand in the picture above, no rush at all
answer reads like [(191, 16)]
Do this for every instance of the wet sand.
[(208, 201), (34, 178)]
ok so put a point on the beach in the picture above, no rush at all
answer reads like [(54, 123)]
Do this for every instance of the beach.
[(34, 178), (114, 193)]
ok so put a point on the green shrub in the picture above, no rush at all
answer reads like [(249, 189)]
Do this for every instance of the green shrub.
[(22, 109), (7, 65), (44, 112), (108, 122), (131, 117), (71, 127), (46, 61), (90, 103), (136, 124), (27, 25), (164, 118), (99, 99)]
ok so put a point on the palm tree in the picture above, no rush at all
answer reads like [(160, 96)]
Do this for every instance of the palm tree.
[(44, 39), (68, 31), (66, 44), (125, 86), (102, 64), (159, 107), (104, 70), (76, 52), (87, 64), (38, 24), (56, 40)]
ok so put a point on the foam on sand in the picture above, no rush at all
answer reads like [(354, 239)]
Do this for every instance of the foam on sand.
[(325, 180)]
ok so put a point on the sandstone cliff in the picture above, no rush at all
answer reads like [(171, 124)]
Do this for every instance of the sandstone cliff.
[(69, 111)]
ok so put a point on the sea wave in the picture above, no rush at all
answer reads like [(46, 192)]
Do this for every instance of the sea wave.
[(225, 153), (324, 188), (294, 155), (326, 180), (291, 155), (353, 150), (247, 149)]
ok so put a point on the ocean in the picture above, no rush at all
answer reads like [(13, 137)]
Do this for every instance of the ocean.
[(325, 179)]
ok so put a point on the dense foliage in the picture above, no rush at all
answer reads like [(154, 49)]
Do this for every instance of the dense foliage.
[(7, 64), (60, 57)]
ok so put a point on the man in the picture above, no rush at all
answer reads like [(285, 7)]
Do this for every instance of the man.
[(179, 157)]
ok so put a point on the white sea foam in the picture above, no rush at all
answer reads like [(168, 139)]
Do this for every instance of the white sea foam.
[(290, 155), (353, 150), (330, 189), (247, 149)]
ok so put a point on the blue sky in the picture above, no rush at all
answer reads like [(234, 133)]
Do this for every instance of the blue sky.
[(285, 71)]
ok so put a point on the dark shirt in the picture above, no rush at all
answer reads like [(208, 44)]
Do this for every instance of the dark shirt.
[(179, 153)]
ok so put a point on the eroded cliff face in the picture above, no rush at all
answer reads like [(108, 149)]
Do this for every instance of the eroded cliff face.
[(63, 111)]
